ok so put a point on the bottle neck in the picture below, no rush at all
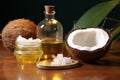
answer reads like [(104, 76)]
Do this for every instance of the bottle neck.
[(49, 15)]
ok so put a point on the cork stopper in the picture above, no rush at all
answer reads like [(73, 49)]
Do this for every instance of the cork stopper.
[(49, 8)]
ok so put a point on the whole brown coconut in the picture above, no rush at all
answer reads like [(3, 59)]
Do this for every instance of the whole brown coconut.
[(88, 44), (10, 32)]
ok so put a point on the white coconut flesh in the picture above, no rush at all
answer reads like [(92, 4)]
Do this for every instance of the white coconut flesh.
[(88, 39)]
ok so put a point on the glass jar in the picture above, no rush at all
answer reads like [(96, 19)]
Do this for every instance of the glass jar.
[(28, 52), (50, 31)]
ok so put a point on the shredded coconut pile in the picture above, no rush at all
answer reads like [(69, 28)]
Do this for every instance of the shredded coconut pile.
[(59, 60)]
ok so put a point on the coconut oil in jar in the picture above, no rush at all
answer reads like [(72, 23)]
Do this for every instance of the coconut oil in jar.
[(50, 31), (28, 52)]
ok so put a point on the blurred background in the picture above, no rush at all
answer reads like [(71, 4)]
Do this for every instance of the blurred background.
[(67, 11)]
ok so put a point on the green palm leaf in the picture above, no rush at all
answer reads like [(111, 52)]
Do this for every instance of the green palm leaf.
[(115, 33), (96, 14)]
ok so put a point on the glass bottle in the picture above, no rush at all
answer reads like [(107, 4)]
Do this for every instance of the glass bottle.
[(50, 31)]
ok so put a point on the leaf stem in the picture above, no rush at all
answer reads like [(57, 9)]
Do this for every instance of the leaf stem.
[(115, 20)]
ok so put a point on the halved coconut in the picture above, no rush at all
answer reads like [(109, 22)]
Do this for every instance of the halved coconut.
[(88, 44)]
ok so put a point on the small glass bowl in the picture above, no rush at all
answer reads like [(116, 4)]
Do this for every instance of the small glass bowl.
[(28, 52)]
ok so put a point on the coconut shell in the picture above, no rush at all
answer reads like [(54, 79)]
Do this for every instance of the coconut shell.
[(23, 27), (88, 56)]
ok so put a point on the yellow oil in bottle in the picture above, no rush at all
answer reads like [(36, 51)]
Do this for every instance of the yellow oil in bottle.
[(50, 31), (51, 47)]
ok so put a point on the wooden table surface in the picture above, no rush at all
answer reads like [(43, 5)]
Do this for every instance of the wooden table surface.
[(108, 68)]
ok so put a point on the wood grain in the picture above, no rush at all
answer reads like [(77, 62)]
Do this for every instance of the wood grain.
[(108, 68)]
